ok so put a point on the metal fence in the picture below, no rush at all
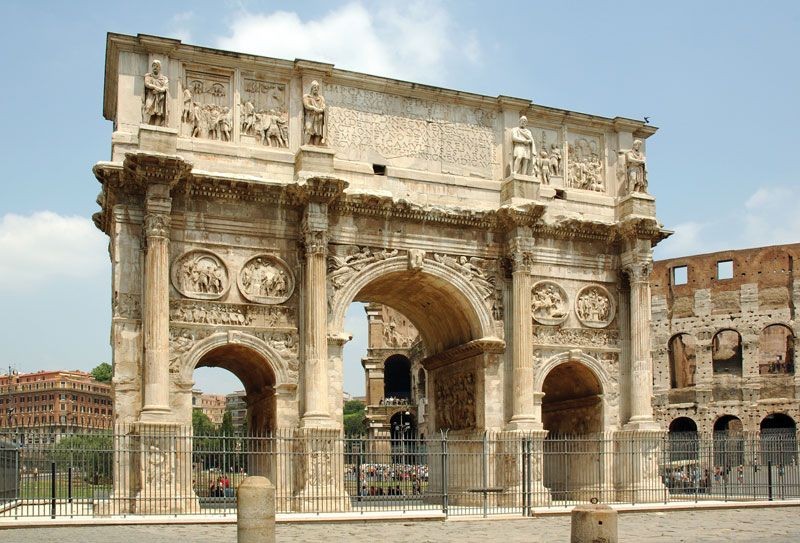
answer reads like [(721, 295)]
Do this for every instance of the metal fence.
[(172, 472)]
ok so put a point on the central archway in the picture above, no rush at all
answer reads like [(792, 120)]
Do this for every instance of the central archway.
[(572, 413)]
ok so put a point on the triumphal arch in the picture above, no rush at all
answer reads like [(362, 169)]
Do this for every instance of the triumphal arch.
[(249, 201)]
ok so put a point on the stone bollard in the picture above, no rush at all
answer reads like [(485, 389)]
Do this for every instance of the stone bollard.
[(255, 511), (595, 523)]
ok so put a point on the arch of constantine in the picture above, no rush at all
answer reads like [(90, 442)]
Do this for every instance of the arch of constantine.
[(249, 201)]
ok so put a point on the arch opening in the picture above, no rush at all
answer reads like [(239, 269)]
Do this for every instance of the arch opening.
[(778, 439), (684, 446), (572, 407), (258, 379), (397, 379), (728, 440), (682, 360), (776, 350), (726, 353)]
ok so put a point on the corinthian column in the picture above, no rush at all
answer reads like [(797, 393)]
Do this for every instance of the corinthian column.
[(315, 239), (642, 367), (157, 174), (521, 336)]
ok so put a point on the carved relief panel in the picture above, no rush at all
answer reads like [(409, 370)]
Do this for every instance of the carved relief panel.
[(549, 160), (207, 105), (594, 307), (455, 401), (586, 159), (201, 275), (266, 279), (549, 304), (264, 112)]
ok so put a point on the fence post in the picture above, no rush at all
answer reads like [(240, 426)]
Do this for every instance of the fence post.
[(255, 511), (69, 484), (444, 473), (52, 490), (485, 478), (769, 480)]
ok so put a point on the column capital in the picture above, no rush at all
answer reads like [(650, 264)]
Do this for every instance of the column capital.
[(638, 271), (520, 253), (156, 225)]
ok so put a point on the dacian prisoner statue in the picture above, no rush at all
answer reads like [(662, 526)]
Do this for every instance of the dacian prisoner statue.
[(524, 147), (634, 168), (314, 106), (154, 108)]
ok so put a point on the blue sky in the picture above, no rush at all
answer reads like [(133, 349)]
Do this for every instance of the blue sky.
[(720, 79)]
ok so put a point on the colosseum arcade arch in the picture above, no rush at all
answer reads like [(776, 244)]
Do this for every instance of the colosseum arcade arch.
[(726, 353), (776, 350), (682, 360)]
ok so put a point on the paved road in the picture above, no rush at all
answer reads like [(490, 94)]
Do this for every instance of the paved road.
[(775, 525)]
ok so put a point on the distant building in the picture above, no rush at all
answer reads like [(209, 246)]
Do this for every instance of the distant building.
[(725, 335), (213, 405), (53, 403), (234, 402)]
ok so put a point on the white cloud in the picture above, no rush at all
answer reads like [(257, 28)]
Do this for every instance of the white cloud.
[(180, 26), (416, 40), (772, 216), (45, 246), (687, 240)]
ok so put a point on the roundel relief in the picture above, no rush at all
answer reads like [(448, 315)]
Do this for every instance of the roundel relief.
[(266, 279), (594, 306), (549, 303), (201, 275)]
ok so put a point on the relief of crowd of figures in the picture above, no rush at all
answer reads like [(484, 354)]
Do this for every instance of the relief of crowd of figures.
[(455, 401), (223, 314)]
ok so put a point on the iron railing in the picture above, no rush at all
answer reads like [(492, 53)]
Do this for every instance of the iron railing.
[(141, 470)]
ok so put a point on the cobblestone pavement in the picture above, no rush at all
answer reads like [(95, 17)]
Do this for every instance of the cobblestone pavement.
[(777, 525)]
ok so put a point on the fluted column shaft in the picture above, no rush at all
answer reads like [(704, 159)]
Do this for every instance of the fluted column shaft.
[(155, 307), (522, 336), (641, 363), (316, 317)]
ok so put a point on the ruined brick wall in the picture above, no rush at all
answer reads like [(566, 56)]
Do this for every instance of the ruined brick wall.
[(726, 346)]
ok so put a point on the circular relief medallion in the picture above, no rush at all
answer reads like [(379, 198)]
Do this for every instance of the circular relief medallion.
[(549, 303), (594, 306), (266, 279), (201, 275)]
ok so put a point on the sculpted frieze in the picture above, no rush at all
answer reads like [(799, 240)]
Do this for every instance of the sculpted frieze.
[(201, 275), (207, 108), (549, 161), (341, 269), (181, 341), (221, 314), (266, 279), (455, 401), (264, 112), (586, 163), (286, 344), (549, 304), (594, 307), (364, 122), (576, 337)]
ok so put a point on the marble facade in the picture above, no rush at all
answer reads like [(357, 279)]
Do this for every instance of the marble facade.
[(265, 196)]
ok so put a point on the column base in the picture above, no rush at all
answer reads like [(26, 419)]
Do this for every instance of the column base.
[(318, 420), (644, 424), (638, 479), (320, 471)]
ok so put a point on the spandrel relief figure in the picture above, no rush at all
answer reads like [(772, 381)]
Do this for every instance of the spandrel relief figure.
[(548, 303), (154, 108), (524, 147), (633, 167), (543, 168), (315, 115)]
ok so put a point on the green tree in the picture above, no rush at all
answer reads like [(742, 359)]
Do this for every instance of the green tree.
[(227, 423), (201, 424), (103, 372), (354, 418), (91, 454)]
